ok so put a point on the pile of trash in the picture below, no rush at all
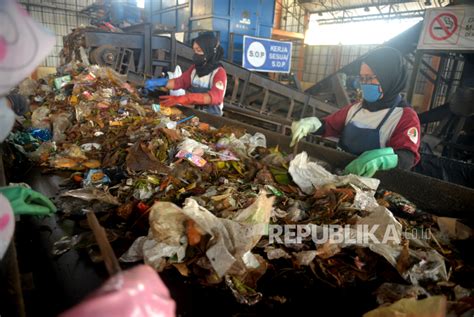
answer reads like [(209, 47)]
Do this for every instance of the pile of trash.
[(220, 206)]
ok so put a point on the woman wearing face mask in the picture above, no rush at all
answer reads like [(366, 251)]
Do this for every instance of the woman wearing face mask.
[(383, 129), (205, 80)]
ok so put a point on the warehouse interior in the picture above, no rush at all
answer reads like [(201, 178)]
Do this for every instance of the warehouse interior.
[(131, 186)]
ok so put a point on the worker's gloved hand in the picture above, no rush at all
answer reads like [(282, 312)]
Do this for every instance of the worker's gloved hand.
[(185, 100), (136, 292), (25, 201), (19, 104), (154, 83), (369, 162), (300, 129)]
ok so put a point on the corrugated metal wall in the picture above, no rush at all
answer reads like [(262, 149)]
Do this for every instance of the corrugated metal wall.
[(323, 60), (59, 16)]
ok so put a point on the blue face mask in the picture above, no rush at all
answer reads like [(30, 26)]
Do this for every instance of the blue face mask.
[(371, 92)]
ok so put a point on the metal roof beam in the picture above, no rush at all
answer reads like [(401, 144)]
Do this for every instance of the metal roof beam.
[(372, 17), (329, 8)]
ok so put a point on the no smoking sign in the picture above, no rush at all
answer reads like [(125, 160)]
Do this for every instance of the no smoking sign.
[(448, 29), (443, 26)]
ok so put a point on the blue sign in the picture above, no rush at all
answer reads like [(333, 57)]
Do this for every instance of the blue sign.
[(264, 55)]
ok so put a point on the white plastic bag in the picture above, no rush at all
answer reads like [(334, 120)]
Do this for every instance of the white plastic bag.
[(309, 175)]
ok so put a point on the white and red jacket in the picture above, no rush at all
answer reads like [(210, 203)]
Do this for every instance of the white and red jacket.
[(401, 130), (216, 81)]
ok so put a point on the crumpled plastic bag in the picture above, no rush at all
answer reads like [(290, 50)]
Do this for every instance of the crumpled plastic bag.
[(364, 199), (232, 143), (61, 122), (230, 244), (253, 141), (428, 265), (28, 87), (42, 152), (171, 75), (245, 145), (82, 111), (192, 146), (385, 241), (166, 237), (310, 175), (40, 118), (89, 194)]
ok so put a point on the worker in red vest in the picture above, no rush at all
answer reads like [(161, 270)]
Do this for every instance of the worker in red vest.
[(383, 129), (205, 81)]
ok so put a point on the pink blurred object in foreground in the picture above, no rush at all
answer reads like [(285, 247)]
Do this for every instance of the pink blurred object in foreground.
[(137, 292)]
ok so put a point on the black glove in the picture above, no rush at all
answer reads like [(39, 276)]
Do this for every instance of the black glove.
[(19, 104)]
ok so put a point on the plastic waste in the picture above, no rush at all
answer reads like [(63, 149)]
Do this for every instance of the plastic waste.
[(87, 147), (192, 146), (79, 241), (253, 141), (90, 194), (434, 306), (41, 134), (309, 175), (231, 143), (83, 110), (225, 155), (231, 239), (95, 177), (156, 107), (40, 118), (191, 157), (143, 190), (243, 294), (60, 82), (28, 87), (123, 101), (61, 122)]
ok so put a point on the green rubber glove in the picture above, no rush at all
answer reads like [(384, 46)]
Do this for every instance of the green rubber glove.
[(369, 162), (300, 129), (25, 201)]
